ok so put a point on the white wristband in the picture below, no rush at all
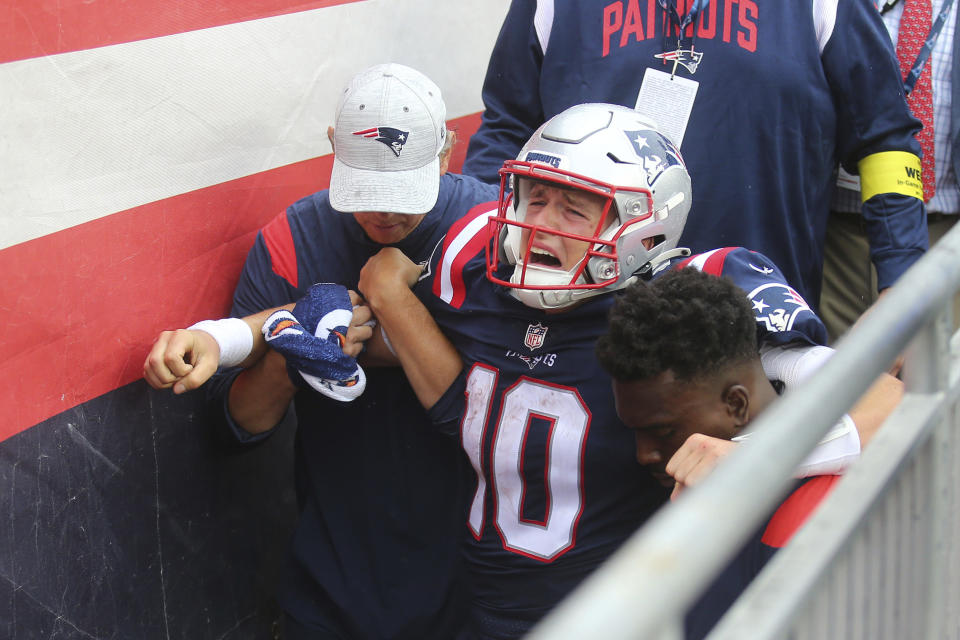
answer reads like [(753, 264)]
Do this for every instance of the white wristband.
[(232, 334)]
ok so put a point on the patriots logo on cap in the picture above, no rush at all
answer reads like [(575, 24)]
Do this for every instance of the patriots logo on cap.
[(393, 138), (655, 153)]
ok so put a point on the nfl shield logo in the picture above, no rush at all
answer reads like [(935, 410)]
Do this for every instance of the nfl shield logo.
[(535, 335)]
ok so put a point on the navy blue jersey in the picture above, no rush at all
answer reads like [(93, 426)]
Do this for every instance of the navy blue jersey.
[(786, 91), (557, 485), (375, 552), (773, 535)]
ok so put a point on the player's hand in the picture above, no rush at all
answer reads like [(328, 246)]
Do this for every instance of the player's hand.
[(183, 359), (361, 326), (695, 459), (387, 272)]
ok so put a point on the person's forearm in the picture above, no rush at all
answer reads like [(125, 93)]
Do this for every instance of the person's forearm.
[(255, 323), (429, 360), (875, 405), (260, 395)]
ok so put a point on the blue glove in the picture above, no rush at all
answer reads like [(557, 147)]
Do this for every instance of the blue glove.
[(311, 340)]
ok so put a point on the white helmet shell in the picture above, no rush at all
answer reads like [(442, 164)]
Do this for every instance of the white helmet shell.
[(608, 150)]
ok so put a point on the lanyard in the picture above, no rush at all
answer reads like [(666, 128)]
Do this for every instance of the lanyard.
[(917, 68), (685, 22)]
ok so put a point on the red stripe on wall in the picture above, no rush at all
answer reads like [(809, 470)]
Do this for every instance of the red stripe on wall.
[(81, 307), (86, 303), (32, 28)]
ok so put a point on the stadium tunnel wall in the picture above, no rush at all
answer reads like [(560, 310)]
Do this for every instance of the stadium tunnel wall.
[(142, 145)]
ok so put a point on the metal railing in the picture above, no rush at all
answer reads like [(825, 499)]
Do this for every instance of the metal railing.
[(879, 559)]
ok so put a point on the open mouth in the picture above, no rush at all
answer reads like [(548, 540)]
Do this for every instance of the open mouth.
[(544, 258)]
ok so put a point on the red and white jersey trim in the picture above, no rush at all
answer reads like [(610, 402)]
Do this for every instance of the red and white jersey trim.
[(709, 262), (464, 241)]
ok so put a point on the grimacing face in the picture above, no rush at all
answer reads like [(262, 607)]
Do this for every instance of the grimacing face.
[(663, 412), (387, 228), (568, 210)]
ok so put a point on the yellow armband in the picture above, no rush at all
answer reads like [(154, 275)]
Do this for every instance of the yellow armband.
[(890, 172)]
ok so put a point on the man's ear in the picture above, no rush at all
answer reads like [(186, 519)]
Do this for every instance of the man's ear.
[(737, 399), (447, 151), (330, 138)]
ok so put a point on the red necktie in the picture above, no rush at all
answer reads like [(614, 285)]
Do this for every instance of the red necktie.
[(915, 26)]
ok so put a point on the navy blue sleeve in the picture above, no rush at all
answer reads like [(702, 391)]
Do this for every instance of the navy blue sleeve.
[(259, 288), (511, 95), (447, 413), (782, 315), (897, 233), (873, 116)]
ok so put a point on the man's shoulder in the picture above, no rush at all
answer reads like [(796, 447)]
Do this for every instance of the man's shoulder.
[(781, 312), (456, 187), (461, 254)]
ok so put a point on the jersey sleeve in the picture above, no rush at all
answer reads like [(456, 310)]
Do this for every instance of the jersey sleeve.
[(263, 284), (782, 314), (448, 411), (873, 119), (511, 95), (464, 244), (443, 291)]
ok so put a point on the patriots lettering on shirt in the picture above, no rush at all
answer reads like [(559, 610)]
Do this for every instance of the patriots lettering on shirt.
[(730, 21), (557, 487), (771, 188)]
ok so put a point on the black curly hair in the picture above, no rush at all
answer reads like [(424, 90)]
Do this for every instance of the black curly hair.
[(686, 321)]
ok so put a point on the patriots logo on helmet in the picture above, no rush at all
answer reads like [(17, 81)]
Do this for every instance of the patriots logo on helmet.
[(393, 138), (656, 153)]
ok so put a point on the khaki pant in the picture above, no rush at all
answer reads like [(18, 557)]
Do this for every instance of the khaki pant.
[(849, 278)]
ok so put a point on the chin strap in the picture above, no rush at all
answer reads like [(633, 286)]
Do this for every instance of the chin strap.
[(660, 262)]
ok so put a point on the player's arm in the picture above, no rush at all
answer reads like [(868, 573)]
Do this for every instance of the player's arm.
[(184, 359), (511, 96), (793, 363), (876, 405), (876, 138), (429, 360), (259, 396), (700, 454)]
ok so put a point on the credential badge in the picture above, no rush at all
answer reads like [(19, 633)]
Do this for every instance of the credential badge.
[(535, 335)]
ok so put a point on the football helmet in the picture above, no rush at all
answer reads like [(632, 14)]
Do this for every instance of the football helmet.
[(607, 150)]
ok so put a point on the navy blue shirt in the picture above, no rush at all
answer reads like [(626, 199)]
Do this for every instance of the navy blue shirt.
[(376, 549), (786, 91)]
